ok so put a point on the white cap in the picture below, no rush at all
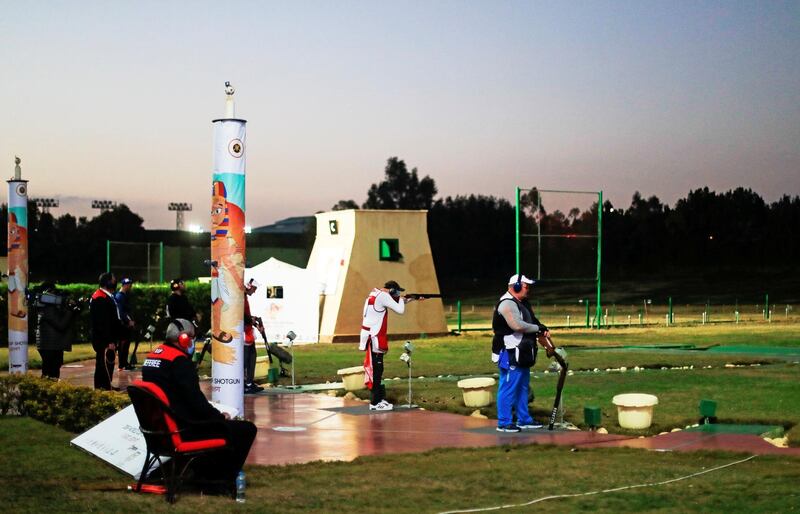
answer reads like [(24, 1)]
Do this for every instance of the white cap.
[(523, 280)]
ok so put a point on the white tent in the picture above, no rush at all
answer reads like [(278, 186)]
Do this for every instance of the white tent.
[(287, 299)]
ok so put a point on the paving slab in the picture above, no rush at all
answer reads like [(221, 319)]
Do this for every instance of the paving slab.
[(297, 428)]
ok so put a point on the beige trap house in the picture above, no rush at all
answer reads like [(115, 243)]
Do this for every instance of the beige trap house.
[(357, 250)]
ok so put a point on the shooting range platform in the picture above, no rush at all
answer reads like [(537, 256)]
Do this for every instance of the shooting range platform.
[(297, 428)]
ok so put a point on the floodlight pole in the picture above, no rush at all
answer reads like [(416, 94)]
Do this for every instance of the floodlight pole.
[(179, 208), (104, 205), (46, 203)]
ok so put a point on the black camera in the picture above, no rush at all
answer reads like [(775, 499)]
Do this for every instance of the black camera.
[(43, 297)]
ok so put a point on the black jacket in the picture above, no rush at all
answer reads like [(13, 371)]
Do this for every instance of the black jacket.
[(172, 370), (54, 328), (178, 307), (106, 326)]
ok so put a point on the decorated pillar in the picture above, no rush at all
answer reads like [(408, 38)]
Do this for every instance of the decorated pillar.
[(17, 271), (228, 257)]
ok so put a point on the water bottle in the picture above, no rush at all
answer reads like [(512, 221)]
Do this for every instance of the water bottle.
[(241, 484)]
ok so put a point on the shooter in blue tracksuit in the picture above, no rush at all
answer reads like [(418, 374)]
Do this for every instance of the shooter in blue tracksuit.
[(514, 350)]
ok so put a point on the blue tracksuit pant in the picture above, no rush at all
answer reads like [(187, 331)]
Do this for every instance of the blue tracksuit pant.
[(512, 393)]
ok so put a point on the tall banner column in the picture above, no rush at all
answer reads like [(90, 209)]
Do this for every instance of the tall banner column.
[(228, 258), (17, 272)]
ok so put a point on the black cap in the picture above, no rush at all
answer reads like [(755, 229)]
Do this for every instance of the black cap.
[(126, 280), (393, 285)]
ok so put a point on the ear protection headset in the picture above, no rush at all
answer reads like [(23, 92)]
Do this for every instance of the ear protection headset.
[(184, 340), (517, 287)]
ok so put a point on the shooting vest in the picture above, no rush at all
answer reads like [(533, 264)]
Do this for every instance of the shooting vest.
[(374, 325), (521, 347)]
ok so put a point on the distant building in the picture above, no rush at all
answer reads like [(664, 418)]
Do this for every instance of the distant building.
[(293, 225)]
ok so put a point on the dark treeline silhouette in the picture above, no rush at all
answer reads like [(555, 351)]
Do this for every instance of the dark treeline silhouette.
[(736, 231), (733, 235), (66, 249)]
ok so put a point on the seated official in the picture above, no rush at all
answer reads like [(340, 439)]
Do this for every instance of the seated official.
[(170, 367)]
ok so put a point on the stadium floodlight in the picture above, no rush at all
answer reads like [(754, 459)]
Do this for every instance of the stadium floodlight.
[(248, 229), (179, 208), (46, 203), (104, 205), (197, 229)]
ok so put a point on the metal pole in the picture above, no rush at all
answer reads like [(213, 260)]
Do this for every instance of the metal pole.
[(161, 262), (458, 307), (108, 256), (409, 382), (516, 218), (766, 306), (599, 252), (586, 300), (538, 236), (670, 319), (148, 262)]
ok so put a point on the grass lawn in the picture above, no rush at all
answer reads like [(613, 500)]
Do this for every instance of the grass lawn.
[(80, 352), (42, 473), (766, 393)]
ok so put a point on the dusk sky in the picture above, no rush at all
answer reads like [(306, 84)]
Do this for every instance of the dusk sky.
[(114, 100)]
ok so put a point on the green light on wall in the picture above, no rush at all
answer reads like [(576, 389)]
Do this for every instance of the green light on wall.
[(389, 250)]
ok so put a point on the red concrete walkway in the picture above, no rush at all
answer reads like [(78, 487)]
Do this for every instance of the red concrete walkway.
[(297, 428)]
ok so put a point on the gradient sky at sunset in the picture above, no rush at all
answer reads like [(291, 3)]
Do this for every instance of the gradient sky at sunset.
[(114, 100)]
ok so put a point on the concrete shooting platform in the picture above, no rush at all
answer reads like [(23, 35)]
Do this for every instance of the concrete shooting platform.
[(295, 428)]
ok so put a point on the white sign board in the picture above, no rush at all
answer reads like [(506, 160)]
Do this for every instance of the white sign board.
[(118, 440)]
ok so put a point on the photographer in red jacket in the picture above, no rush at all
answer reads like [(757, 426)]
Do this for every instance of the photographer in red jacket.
[(170, 367)]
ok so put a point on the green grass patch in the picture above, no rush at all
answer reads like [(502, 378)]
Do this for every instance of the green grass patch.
[(80, 352), (765, 393), (42, 473)]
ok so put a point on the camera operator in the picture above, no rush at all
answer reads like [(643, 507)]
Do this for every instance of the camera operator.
[(55, 315)]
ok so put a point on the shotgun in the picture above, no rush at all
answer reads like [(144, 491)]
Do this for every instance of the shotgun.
[(417, 296), (550, 349)]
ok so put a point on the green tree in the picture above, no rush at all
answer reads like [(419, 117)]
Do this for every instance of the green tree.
[(401, 189), (343, 205)]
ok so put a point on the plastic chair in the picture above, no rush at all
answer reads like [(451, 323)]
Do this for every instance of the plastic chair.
[(164, 438)]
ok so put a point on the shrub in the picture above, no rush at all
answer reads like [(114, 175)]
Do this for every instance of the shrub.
[(148, 300), (58, 403)]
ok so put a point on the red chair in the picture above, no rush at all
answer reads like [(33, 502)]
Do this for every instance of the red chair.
[(165, 439)]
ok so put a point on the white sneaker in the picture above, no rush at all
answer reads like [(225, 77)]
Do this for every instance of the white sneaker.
[(382, 406)]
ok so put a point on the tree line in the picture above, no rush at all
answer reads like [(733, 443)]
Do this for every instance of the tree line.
[(735, 233), (473, 238), (69, 249)]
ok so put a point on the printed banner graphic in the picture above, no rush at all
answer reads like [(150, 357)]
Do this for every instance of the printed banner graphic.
[(228, 256), (17, 276)]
